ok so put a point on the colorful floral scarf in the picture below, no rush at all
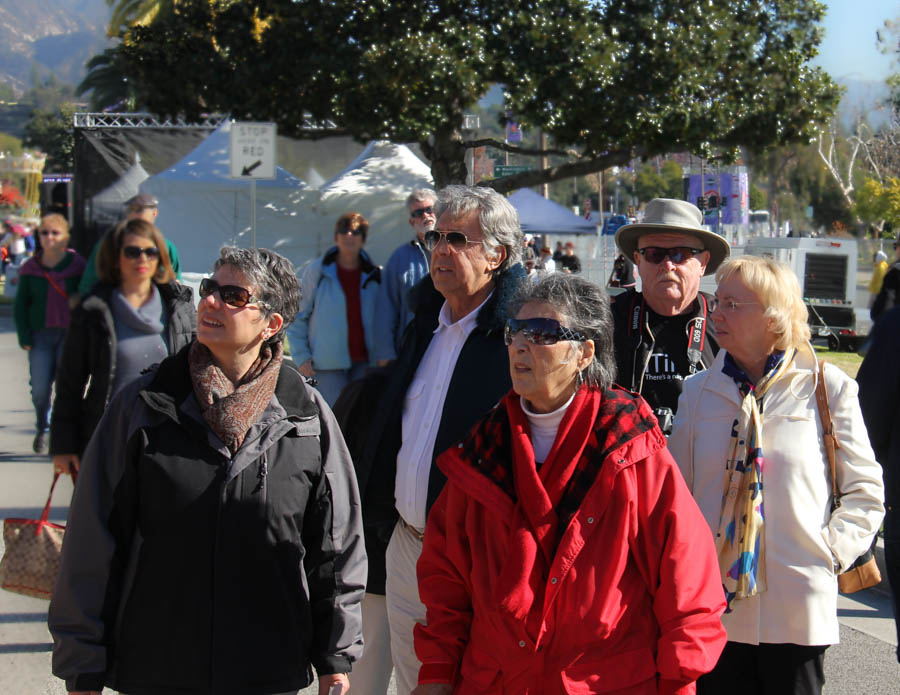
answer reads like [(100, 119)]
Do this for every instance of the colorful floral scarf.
[(741, 537), (228, 408)]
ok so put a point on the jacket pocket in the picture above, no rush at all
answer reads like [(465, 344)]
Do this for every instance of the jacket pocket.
[(597, 671)]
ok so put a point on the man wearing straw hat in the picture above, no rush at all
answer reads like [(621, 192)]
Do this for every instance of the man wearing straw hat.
[(662, 332)]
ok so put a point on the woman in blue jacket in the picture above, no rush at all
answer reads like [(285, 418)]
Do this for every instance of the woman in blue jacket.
[(333, 337)]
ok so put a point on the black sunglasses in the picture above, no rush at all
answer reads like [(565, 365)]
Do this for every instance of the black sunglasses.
[(135, 252), (540, 331), (455, 240), (358, 231), (232, 295), (678, 254), (421, 212)]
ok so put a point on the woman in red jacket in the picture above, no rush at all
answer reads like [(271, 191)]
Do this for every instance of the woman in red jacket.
[(566, 555)]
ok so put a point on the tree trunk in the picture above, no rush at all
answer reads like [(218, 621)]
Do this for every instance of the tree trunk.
[(447, 154)]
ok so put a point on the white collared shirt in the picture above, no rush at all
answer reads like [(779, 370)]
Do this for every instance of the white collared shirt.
[(422, 409)]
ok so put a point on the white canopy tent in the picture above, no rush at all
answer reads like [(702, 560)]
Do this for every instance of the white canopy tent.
[(108, 204), (201, 208), (376, 185), (539, 216)]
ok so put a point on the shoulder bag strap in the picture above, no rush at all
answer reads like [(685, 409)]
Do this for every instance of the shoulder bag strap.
[(831, 441)]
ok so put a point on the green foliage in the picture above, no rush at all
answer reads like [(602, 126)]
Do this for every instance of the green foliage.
[(615, 80), (49, 94), (51, 132), (10, 144), (757, 199), (7, 93), (877, 202), (107, 83)]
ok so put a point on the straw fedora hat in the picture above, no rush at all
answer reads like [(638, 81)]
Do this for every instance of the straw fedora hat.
[(676, 216)]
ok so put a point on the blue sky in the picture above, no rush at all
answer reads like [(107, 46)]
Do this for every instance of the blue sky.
[(848, 48)]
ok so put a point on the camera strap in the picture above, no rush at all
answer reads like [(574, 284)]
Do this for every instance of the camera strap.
[(696, 332)]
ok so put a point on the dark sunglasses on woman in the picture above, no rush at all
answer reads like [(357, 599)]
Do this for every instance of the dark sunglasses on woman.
[(455, 240), (232, 295), (678, 254), (135, 252), (539, 331)]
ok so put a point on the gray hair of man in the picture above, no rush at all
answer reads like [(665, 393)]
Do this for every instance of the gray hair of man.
[(420, 195), (272, 279), (584, 307), (498, 218)]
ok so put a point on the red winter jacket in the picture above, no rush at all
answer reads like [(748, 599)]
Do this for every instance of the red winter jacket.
[(630, 602)]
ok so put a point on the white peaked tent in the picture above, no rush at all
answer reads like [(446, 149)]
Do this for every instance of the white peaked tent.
[(108, 204), (537, 215), (201, 208), (376, 185)]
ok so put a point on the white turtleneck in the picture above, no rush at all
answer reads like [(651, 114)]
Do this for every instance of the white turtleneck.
[(544, 427)]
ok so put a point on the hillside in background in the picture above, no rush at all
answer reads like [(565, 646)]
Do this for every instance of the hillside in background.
[(49, 36)]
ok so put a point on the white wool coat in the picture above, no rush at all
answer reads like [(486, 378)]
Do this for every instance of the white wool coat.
[(804, 538)]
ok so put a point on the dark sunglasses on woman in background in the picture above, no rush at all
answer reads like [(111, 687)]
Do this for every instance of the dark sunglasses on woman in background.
[(135, 252), (355, 232), (421, 212), (455, 240), (678, 254), (232, 295), (539, 331)]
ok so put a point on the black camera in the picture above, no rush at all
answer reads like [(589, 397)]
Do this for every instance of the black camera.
[(666, 418)]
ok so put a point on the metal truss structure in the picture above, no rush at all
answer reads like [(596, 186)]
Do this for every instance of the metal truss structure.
[(143, 120)]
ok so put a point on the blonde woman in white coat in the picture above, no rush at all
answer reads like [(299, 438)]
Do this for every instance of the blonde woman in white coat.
[(748, 439)]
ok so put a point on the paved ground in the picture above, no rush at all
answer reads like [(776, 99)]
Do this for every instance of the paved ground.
[(863, 664)]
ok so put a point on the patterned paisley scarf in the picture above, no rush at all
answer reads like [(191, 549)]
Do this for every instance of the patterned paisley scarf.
[(228, 408), (741, 538)]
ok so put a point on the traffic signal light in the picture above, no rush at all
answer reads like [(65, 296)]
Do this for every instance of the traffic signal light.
[(712, 202), (701, 202)]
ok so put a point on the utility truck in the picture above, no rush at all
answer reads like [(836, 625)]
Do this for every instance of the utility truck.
[(826, 269)]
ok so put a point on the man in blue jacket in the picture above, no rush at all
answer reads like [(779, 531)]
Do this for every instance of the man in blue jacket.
[(406, 266)]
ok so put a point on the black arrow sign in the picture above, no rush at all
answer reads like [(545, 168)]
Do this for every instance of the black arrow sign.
[(247, 171)]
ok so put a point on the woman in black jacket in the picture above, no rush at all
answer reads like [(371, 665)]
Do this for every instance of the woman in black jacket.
[(214, 544), (133, 318)]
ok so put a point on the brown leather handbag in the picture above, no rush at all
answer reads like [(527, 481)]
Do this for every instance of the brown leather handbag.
[(862, 574)]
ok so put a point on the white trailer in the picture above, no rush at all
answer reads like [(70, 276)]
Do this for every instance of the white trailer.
[(826, 269)]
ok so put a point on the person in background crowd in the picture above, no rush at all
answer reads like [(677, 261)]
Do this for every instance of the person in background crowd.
[(879, 269), (662, 332), (569, 262), (879, 399), (13, 241), (134, 317), (333, 338), (214, 543), (780, 543), (622, 274), (405, 268), (48, 284), (559, 252), (565, 548), (529, 261), (890, 286), (452, 369), (140, 207), (547, 264)]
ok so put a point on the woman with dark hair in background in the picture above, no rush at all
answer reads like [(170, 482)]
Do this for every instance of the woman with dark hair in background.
[(565, 551), (134, 317), (333, 338)]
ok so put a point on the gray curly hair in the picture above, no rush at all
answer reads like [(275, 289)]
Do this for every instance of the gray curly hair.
[(272, 278), (585, 308), (498, 218)]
